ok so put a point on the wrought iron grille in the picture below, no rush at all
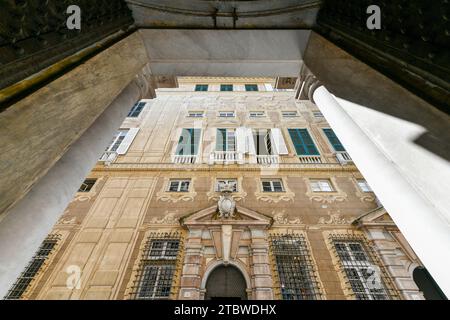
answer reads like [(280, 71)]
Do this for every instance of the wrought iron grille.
[(158, 266), (365, 273), (23, 282), (294, 267)]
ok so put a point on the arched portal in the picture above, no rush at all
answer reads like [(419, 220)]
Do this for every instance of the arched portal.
[(226, 282), (427, 285)]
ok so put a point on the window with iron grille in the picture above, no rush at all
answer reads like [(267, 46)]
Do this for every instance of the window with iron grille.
[(87, 185), (157, 267), (294, 267), (366, 276), (34, 266)]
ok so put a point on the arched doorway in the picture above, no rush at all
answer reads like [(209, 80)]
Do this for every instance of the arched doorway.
[(427, 285), (226, 282)]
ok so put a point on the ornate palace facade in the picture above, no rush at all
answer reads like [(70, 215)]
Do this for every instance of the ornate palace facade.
[(223, 188)]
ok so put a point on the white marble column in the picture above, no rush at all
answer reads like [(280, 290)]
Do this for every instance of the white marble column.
[(26, 225), (420, 222)]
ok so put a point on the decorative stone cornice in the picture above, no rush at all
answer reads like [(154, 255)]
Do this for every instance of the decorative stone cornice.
[(319, 167)]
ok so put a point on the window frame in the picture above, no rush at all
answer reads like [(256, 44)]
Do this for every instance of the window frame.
[(224, 114), (271, 184), (118, 139), (197, 86), (89, 186), (230, 135), (223, 86), (179, 185), (196, 114), (137, 107), (251, 85), (284, 114), (320, 181), (366, 184), (256, 114)]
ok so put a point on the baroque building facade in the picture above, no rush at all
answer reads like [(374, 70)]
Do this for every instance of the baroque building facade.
[(223, 188)]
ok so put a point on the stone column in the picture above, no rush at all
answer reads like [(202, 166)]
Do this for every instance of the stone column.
[(262, 282), (425, 229), (27, 224), (191, 279)]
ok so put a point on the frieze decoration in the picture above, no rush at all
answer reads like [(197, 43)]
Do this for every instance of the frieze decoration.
[(165, 196), (274, 197), (334, 218), (170, 217), (64, 220), (280, 218), (325, 197), (237, 196)]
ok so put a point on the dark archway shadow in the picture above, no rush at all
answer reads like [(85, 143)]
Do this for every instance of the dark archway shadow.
[(226, 283), (427, 285)]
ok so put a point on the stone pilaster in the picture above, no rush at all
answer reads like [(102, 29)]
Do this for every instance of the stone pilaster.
[(262, 284), (191, 276)]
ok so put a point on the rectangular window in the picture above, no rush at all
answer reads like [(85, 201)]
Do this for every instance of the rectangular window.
[(333, 139), (321, 186), (304, 144), (226, 140), (272, 185), (87, 185), (188, 143), (195, 114), (157, 267), (222, 182), (251, 87), (34, 266), (295, 267), (364, 186), (257, 114), (226, 114), (201, 87), (117, 139), (367, 281), (289, 114), (226, 87), (317, 114), (179, 185), (136, 110)]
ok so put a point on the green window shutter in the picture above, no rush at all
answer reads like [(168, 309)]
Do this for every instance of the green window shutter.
[(195, 141), (220, 140), (337, 145), (304, 144), (189, 142)]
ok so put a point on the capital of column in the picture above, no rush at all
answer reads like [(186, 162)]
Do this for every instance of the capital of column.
[(308, 83)]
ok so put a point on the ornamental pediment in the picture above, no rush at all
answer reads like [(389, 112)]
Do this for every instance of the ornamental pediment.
[(213, 216)]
